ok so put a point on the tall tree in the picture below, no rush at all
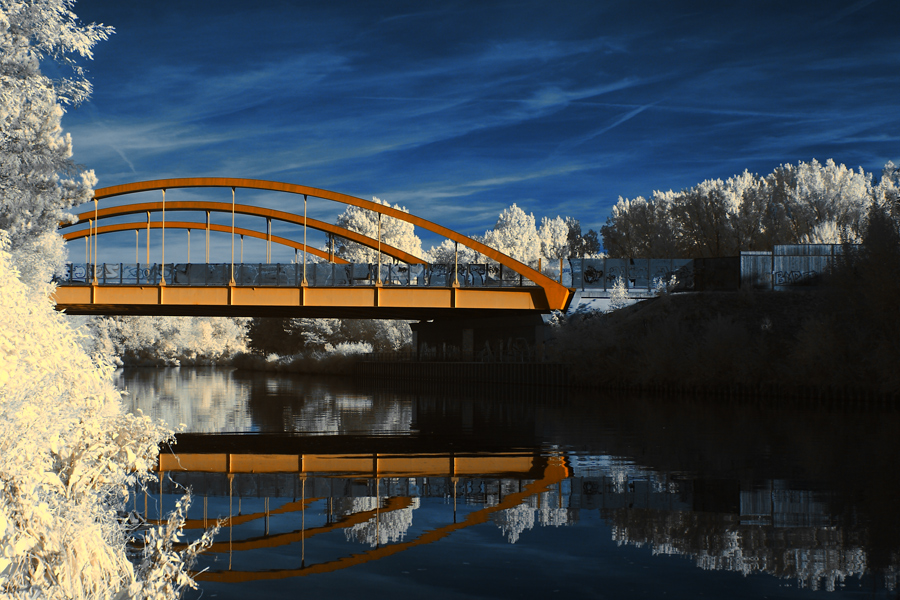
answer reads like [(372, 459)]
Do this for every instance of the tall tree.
[(515, 235), (554, 236), (581, 245), (449, 252), (887, 192), (394, 232), (38, 180)]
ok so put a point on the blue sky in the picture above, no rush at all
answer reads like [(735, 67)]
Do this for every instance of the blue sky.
[(458, 109)]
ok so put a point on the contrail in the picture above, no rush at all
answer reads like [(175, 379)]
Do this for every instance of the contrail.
[(624, 118)]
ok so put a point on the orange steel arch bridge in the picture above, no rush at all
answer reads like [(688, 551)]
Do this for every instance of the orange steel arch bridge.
[(407, 288)]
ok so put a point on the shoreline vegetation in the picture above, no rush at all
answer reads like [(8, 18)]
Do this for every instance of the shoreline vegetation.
[(340, 360), (745, 345), (70, 460)]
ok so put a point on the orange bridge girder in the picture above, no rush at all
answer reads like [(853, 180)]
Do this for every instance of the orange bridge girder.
[(557, 295), (345, 302)]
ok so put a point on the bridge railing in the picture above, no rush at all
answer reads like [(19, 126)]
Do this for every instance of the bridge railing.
[(584, 274), (637, 273), (291, 275)]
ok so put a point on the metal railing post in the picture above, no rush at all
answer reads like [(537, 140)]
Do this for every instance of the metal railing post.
[(456, 265), (148, 239), (232, 236), (95, 240), (268, 240), (207, 237), (378, 277), (304, 282), (162, 267)]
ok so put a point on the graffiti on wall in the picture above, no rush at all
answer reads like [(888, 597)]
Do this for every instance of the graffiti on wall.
[(794, 277)]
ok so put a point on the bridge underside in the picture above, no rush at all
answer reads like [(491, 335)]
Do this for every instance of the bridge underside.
[(332, 302)]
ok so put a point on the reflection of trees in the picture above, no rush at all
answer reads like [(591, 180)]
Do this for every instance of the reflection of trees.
[(385, 528), (205, 400), (514, 521), (314, 404), (546, 509), (847, 451), (818, 557)]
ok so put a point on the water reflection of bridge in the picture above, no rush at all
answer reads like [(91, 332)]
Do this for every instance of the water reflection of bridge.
[(536, 473)]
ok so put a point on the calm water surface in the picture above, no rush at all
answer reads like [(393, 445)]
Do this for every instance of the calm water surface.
[(337, 489)]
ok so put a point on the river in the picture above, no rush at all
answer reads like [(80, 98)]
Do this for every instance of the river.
[(337, 487)]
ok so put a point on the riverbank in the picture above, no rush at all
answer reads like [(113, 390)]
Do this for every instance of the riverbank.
[(805, 344), (338, 361)]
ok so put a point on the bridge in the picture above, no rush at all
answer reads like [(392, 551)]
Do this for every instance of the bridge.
[(408, 287)]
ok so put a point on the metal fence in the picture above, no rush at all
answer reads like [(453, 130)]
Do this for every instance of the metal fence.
[(637, 273), (291, 275), (789, 265), (785, 267)]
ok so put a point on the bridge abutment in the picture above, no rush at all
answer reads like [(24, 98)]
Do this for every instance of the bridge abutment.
[(493, 339)]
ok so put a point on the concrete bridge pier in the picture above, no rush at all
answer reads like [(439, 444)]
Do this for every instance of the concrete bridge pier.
[(491, 339)]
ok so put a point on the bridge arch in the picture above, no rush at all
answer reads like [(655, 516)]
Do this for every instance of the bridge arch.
[(556, 293), (243, 209), (196, 226)]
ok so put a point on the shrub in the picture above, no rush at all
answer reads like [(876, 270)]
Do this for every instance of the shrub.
[(69, 457)]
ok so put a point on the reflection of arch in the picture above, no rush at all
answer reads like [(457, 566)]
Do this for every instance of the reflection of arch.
[(554, 473), (283, 539), (243, 209), (556, 294), (286, 508), (74, 235)]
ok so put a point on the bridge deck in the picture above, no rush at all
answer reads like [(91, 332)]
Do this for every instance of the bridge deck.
[(375, 302), (319, 290)]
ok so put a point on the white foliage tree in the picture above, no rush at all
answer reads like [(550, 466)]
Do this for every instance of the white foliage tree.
[(318, 334), (38, 180), (515, 235), (829, 232), (448, 251), (69, 458), (887, 193), (793, 204), (618, 295), (169, 340), (394, 232), (554, 236), (829, 192)]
